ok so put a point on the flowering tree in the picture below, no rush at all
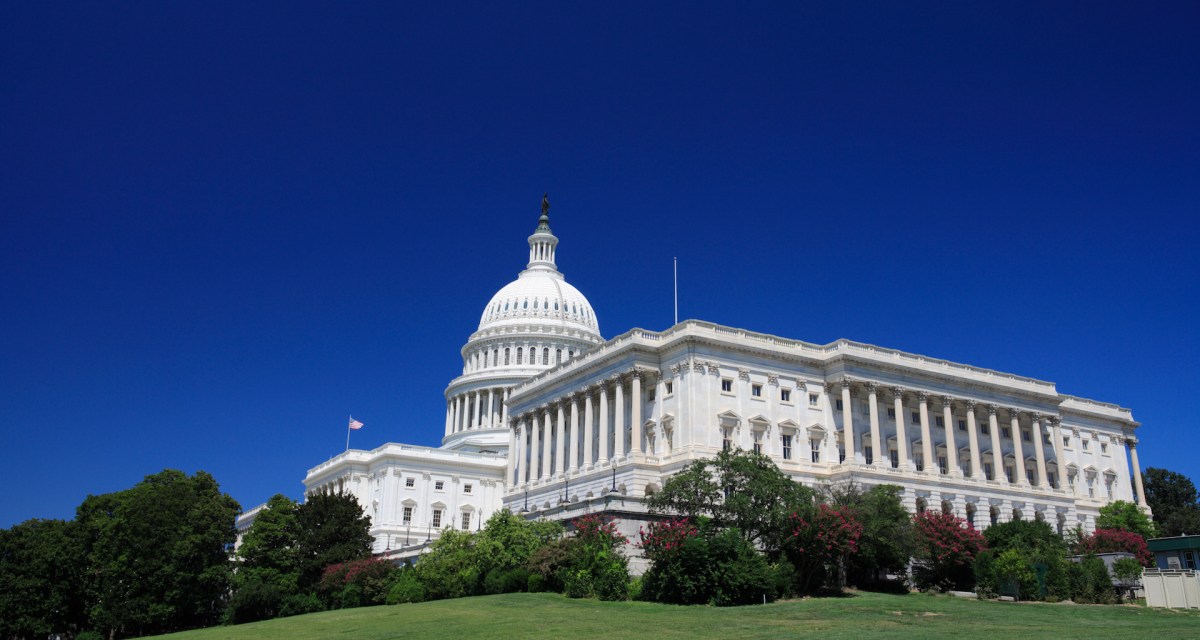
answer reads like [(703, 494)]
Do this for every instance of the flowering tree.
[(819, 539), (946, 548), (355, 583), (695, 562), (1110, 540)]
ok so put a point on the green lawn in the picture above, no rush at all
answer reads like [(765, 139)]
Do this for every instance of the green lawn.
[(860, 615)]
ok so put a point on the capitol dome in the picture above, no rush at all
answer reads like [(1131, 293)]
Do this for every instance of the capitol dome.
[(533, 323)]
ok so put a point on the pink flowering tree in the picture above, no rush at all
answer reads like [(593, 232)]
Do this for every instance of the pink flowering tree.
[(1113, 540), (820, 540), (946, 550)]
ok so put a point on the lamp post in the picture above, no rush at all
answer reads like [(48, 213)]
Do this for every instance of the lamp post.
[(566, 492), (525, 509), (614, 480)]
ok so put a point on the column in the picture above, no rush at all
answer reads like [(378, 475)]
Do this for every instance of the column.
[(522, 453), (457, 413), (901, 432), (847, 421), (951, 446), (997, 448), (535, 451), (1018, 449), (1079, 475), (449, 416), (636, 402), (1039, 450), (490, 421), (504, 408), (588, 433), (926, 438), (604, 430), (973, 441), (878, 454), (510, 475), (619, 419), (574, 441), (1056, 447), (560, 438), (478, 409), (547, 442), (1137, 473)]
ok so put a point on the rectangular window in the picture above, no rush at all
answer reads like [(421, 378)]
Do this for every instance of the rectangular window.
[(892, 413), (726, 441), (1103, 447), (410, 482), (757, 442), (756, 390), (915, 416), (919, 461), (838, 403), (437, 518), (466, 488), (841, 454), (986, 429), (1085, 444), (938, 421), (1066, 442), (407, 515), (962, 425), (726, 385), (869, 455), (895, 459), (1025, 436), (787, 447), (785, 395), (670, 387), (989, 471), (815, 446), (1006, 432), (439, 485), (466, 521), (1189, 559), (813, 399), (943, 466), (1008, 473), (1050, 477)]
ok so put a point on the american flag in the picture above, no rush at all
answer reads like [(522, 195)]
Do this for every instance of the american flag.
[(355, 424)]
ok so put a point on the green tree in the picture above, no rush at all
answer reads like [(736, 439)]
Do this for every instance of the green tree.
[(887, 541), (508, 541), (1029, 536), (1125, 516), (330, 528), (268, 577), (737, 489), (158, 554), (1014, 572), (41, 588), (451, 568), (1173, 498)]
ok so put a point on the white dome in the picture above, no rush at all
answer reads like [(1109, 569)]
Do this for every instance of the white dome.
[(540, 296)]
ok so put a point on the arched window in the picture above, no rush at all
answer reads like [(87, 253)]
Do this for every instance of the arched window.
[(546, 355), (506, 354), (535, 303), (519, 354), (558, 356), (526, 305)]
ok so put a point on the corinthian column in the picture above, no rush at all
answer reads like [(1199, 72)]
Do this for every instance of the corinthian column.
[(877, 453), (973, 441), (547, 442), (588, 429), (560, 437), (574, 441), (535, 450), (511, 472), (619, 419), (901, 432), (604, 429), (997, 448), (847, 421), (1039, 450), (1137, 472), (926, 438), (951, 446), (1018, 450), (635, 413)]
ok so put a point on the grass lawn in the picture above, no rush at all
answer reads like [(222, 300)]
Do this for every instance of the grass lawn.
[(543, 615)]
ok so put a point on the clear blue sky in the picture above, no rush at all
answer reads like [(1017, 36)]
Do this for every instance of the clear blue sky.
[(224, 228)]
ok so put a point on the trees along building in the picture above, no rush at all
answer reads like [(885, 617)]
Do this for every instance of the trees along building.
[(550, 419)]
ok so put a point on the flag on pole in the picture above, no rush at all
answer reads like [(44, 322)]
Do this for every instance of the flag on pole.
[(355, 424)]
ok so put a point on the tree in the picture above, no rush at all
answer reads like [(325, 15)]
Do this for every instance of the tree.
[(1173, 498), (887, 541), (41, 588), (508, 541), (451, 569), (819, 539), (1029, 536), (946, 548), (158, 554), (737, 489), (1115, 540), (1125, 516), (331, 528), (697, 563), (267, 581), (1127, 571)]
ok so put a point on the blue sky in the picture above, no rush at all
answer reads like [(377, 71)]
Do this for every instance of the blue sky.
[(224, 228)]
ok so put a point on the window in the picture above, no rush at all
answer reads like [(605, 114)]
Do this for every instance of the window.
[(816, 450), (1050, 477), (466, 488), (869, 455), (1067, 442), (439, 485), (726, 440), (986, 429), (466, 521), (1006, 432), (1025, 436), (839, 404), (546, 356), (437, 518), (841, 454), (410, 482), (407, 515), (726, 385), (506, 353), (915, 416), (558, 356), (1008, 473), (756, 390), (757, 442), (813, 399), (895, 458), (670, 387), (919, 461), (962, 425), (650, 394), (787, 447), (1104, 447), (892, 413), (937, 420), (519, 354), (1085, 444), (989, 471), (943, 465), (785, 395), (1029, 476)]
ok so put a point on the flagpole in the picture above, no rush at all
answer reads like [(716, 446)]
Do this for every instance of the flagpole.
[(348, 432), (676, 290)]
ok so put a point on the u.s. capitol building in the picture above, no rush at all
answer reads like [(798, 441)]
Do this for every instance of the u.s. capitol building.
[(551, 419)]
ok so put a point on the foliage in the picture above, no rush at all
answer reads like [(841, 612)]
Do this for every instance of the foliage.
[(254, 600), (818, 540), (1125, 516), (1090, 582), (507, 541), (158, 554), (41, 588), (737, 489), (357, 583), (597, 566), (1026, 535), (946, 548), (450, 569), (1127, 570), (407, 588), (330, 528), (550, 563), (1014, 571), (1173, 498), (1113, 540), (89, 635), (887, 540), (701, 564)]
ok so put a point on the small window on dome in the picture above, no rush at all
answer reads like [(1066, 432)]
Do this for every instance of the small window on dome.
[(535, 304), (556, 305), (526, 306), (506, 306)]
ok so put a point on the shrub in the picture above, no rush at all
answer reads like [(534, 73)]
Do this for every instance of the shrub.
[(451, 568), (89, 635), (577, 583), (536, 583), (502, 581), (551, 563), (947, 549), (1014, 575), (1096, 584), (1113, 540), (254, 601), (635, 588), (356, 583), (819, 539), (406, 588), (693, 564)]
